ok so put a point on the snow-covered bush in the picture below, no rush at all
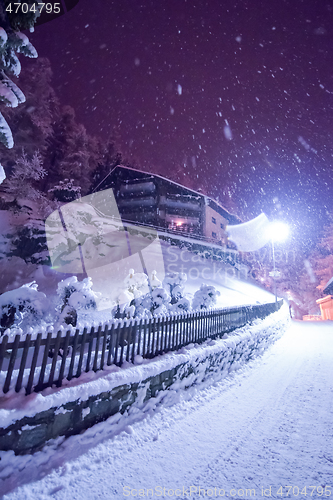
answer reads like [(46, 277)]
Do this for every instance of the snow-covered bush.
[(160, 302), (174, 283), (143, 306), (141, 299), (181, 306), (205, 297), (136, 283), (163, 298), (131, 297), (155, 282), (73, 296), (24, 306), (155, 303)]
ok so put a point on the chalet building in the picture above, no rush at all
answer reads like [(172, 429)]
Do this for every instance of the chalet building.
[(151, 199)]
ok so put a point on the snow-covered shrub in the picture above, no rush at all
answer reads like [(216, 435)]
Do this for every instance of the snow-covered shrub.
[(73, 296), (24, 306), (174, 283), (152, 304), (129, 311), (143, 306), (138, 301), (130, 299), (205, 297), (124, 301), (181, 306), (160, 300), (136, 283), (155, 282)]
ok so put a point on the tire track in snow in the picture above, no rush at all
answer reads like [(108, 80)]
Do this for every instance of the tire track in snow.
[(268, 423), (283, 440)]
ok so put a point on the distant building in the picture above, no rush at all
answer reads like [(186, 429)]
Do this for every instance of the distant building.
[(326, 304), (328, 290), (151, 199)]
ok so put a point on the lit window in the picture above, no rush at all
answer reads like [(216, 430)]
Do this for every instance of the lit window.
[(213, 220), (214, 235)]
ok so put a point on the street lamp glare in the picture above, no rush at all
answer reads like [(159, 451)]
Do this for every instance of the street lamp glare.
[(278, 231)]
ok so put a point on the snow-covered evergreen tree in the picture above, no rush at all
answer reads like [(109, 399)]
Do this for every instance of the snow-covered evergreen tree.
[(21, 184), (13, 42), (27, 210), (31, 122), (109, 157), (310, 275), (2, 174), (71, 153), (303, 296)]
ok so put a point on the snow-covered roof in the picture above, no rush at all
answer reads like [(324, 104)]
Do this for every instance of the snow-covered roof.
[(214, 202), (329, 287)]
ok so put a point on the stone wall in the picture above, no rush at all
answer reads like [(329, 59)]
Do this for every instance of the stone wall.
[(205, 365)]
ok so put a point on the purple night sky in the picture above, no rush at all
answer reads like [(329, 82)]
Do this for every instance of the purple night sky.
[(237, 94)]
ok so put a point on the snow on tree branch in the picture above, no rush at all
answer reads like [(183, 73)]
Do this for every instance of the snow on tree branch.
[(13, 42), (2, 174)]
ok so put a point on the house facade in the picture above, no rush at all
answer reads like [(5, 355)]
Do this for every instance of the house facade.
[(150, 199), (326, 303)]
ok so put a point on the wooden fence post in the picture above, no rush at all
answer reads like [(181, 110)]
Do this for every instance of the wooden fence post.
[(33, 364), (23, 361)]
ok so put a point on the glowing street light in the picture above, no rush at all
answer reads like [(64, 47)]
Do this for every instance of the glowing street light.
[(277, 231)]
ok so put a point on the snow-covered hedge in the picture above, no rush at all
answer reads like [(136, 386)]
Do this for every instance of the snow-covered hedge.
[(142, 297), (76, 303), (24, 308)]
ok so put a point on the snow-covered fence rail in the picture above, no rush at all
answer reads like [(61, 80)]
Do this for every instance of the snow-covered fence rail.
[(35, 364)]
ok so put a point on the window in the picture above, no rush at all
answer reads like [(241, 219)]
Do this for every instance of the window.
[(222, 225), (213, 220), (214, 235)]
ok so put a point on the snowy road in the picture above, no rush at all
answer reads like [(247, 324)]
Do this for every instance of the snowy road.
[(268, 426)]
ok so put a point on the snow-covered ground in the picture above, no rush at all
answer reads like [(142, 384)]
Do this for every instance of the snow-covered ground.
[(231, 281), (265, 428)]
